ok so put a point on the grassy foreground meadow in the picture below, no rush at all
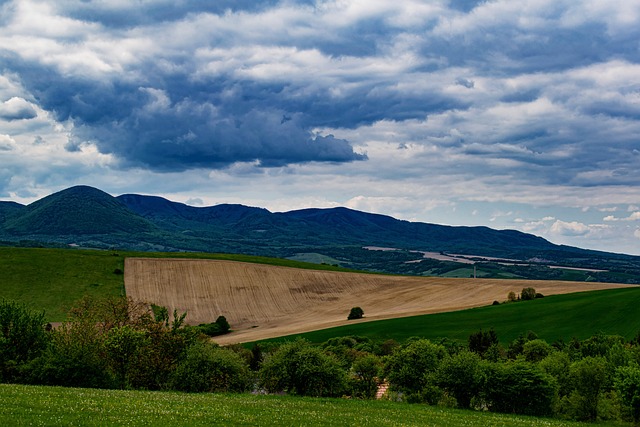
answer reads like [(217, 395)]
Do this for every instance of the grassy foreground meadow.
[(56, 406)]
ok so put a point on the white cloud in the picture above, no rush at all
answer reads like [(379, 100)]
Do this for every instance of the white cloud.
[(573, 228), (406, 207), (535, 227), (500, 214), (637, 233), (17, 108), (7, 143), (635, 216)]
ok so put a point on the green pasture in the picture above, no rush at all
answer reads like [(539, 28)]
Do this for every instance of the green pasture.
[(53, 279), (315, 258), (580, 315), (57, 406)]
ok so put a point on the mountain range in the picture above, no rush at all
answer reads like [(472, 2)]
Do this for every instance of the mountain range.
[(88, 217)]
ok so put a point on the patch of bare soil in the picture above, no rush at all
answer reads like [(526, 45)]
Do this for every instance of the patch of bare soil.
[(263, 301)]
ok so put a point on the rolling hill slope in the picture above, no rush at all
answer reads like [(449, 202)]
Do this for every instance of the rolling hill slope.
[(263, 301)]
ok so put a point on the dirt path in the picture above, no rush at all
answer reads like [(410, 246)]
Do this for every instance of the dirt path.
[(263, 301)]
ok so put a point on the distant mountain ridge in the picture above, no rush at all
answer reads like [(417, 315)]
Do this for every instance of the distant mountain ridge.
[(89, 217), (317, 226)]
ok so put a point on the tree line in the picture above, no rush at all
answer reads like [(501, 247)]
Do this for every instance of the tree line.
[(120, 343)]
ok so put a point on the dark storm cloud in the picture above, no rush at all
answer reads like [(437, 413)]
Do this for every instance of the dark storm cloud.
[(146, 13), (187, 125)]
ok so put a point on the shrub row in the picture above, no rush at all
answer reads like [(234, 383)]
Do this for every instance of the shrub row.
[(121, 344)]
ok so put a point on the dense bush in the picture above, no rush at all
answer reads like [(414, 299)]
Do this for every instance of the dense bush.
[(589, 380), (219, 327), (348, 349), (627, 383), (299, 368), (519, 388), (122, 346), (112, 343), (557, 365), (481, 341), (462, 376), (365, 376), (208, 368), (22, 338), (411, 369), (535, 350), (158, 358), (75, 357), (527, 294)]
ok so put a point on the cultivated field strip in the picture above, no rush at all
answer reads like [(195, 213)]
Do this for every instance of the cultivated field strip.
[(264, 301)]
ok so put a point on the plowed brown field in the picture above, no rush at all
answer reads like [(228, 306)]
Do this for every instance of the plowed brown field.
[(263, 301)]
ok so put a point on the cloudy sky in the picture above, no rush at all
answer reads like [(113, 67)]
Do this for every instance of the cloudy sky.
[(511, 114)]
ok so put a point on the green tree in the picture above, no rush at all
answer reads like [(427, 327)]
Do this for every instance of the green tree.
[(387, 347), (366, 372), (557, 365), (627, 382), (599, 345), (355, 313), (159, 354), (208, 368), (519, 388), (256, 357), (589, 378), (516, 347), (114, 342), (22, 338), (160, 314), (411, 369), (462, 376), (527, 294), (299, 368), (122, 348), (345, 349), (535, 350), (219, 327), (222, 323), (74, 358), (481, 341)]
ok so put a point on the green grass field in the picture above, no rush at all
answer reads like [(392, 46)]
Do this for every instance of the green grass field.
[(56, 406), (53, 279), (579, 315)]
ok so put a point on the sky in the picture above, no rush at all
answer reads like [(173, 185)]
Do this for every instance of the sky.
[(510, 114)]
